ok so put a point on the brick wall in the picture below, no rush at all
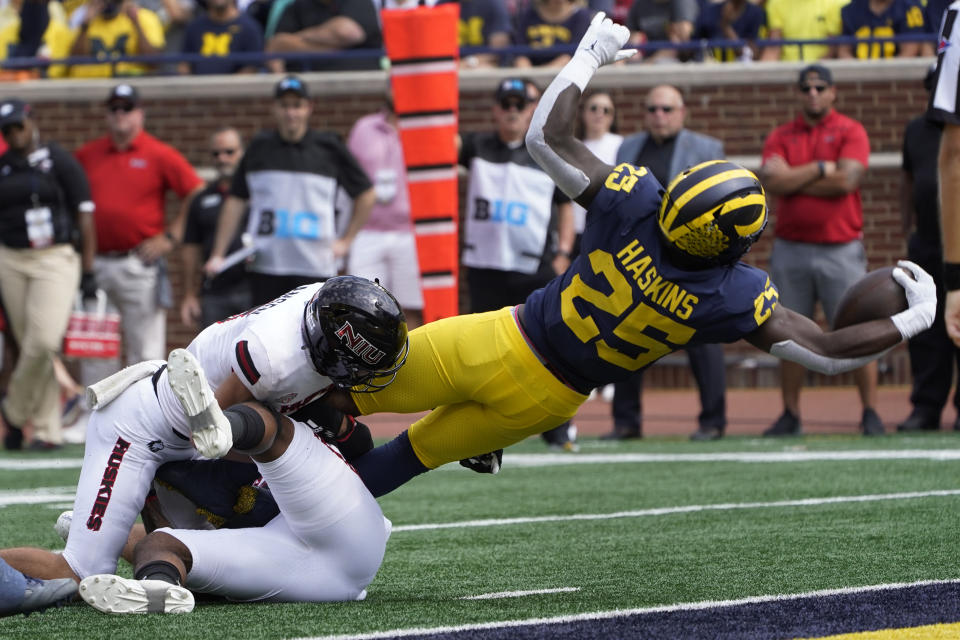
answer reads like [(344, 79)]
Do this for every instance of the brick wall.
[(739, 104)]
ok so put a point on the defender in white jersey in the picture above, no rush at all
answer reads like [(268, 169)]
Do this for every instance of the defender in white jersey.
[(349, 332), (329, 537)]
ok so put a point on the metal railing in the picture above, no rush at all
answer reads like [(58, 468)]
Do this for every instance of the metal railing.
[(377, 56)]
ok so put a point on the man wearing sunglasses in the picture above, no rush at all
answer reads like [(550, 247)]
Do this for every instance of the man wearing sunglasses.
[(666, 148), (814, 166), (130, 172), (207, 300)]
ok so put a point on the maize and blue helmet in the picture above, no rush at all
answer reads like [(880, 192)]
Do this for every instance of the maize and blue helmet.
[(712, 213)]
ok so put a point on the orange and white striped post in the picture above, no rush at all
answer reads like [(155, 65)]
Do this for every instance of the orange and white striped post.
[(423, 50)]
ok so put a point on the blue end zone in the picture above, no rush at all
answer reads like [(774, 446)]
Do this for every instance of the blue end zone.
[(813, 616)]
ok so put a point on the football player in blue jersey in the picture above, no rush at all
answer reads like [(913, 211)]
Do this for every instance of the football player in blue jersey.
[(658, 270)]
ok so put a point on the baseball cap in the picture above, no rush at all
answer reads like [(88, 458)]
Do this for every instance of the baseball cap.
[(821, 71), (513, 87), (124, 93), (13, 111), (291, 84)]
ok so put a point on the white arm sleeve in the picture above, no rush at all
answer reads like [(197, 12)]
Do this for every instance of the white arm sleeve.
[(600, 45), (790, 350), (571, 180)]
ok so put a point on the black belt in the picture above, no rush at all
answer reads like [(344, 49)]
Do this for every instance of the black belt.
[(520, 309), (156, 380), (116, 254)]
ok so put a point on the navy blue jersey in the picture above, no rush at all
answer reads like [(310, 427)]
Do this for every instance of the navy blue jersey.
[(534, 30), (217, 40), (623, 304), (902, 16), (747, 26)]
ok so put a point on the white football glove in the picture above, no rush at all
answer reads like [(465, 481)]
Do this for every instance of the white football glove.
[(603, 41), (921, 295)]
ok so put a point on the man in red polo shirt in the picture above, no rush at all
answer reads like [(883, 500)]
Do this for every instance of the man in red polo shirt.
[(130, 173), (814, 166)]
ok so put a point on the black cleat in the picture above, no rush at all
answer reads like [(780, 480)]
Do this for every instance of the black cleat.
[(788, 424), (486, 463)]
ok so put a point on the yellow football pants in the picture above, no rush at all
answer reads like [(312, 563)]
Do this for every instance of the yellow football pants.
[(486, 387)]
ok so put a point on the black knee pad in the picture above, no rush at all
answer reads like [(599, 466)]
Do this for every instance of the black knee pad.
[(248, 428)]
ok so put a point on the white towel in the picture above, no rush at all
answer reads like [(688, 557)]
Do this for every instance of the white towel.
[(104, 392)]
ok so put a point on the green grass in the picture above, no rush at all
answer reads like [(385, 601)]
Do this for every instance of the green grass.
[(621, 562)]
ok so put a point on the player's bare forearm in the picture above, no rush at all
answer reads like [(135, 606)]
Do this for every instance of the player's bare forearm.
[(949, 179), (864, 339), (232, 392), (558, 133)]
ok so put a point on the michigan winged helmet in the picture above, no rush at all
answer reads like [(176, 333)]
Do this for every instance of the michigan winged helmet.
[(712, 213)]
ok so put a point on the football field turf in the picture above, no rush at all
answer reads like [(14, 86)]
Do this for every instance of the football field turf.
[(659, 538)]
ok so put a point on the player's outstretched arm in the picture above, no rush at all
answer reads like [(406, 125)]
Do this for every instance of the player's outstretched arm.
[(791, 336), (551, 139)]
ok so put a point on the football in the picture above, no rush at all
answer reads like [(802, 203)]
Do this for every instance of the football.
[(876, 295)]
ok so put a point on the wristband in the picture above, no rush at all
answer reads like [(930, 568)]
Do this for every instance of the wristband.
[(170, 237), (565, 254), (579, 70), (823, 167), (951, 276)]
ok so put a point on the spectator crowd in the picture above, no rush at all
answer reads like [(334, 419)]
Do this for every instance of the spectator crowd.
[(249, 36)]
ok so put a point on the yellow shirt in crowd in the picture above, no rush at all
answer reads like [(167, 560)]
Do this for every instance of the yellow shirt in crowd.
[(110, 38), (805, 20)]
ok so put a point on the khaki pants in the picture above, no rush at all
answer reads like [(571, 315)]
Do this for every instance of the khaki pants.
[(38, 287), (131, 288)]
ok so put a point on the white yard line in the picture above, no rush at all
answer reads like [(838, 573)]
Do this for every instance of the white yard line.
[(602, 615), (40, 464), (552, 459), (519, 594), (693, 508), (37, 496)]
